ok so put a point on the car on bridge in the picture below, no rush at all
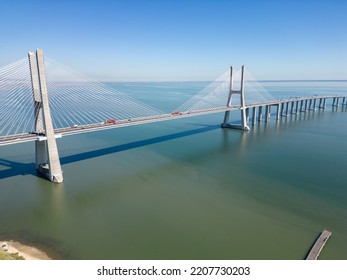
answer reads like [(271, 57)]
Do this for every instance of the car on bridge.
[(110, 121)]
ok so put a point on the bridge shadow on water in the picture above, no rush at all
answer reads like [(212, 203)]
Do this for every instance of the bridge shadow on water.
[(136, 144), (13, 168)]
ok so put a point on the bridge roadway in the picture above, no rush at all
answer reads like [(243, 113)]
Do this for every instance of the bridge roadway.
[(29, 137)]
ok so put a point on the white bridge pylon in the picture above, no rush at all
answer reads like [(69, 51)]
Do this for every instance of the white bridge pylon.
[(229, 90), (47, 156), (241, 93), (219, 94)]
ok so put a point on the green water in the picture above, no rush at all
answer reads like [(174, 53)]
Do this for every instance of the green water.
[(186, 189)]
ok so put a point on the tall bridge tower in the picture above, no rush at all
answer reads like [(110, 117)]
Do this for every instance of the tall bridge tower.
[(241, 92), (47, 156)]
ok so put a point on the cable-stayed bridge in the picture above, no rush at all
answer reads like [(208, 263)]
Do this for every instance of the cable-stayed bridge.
[(42, 100)]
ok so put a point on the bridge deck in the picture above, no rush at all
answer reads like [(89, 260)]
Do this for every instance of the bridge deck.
[(28, 137), (318, 245)]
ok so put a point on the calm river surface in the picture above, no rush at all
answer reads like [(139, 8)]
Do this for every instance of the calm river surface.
[(187, 189)]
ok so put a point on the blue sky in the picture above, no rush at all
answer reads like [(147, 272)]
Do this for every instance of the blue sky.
[(168, 40)]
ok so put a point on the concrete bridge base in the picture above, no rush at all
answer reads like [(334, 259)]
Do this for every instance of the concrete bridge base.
[(234, 126)]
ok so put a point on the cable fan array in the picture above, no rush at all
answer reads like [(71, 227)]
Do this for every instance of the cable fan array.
[(76, 99), (16, 101), (215, 95), (254, 91)]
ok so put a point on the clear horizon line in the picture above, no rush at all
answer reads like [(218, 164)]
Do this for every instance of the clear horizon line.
[(194, 81)]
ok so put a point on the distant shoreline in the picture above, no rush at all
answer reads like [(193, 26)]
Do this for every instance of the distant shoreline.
[(25, 251)]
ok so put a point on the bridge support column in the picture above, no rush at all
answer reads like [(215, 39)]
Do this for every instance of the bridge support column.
[(278, 111), (291, 107), (266, 119), (334, 101), (297, 107), (337, 101), (47, 156), (260, 113), (282, 109), (309, 104), (312, 105), (247, 115), (344, 101), (322, 103), (254, 115), (287, 108), (244, 125)]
